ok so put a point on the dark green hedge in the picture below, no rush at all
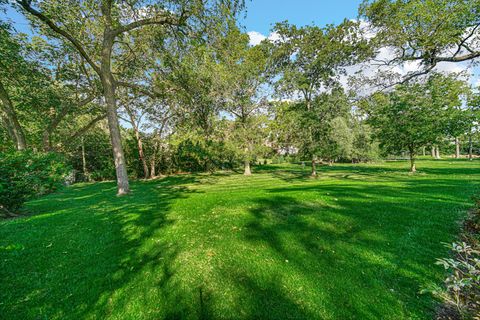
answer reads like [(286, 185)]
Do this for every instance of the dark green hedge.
[(27, 174)]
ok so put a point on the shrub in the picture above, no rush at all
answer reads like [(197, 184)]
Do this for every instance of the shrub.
[(462, 286), (24, 175), (460, 293)]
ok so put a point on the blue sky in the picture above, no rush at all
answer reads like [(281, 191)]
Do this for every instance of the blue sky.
[(262, 14), (17, 19)]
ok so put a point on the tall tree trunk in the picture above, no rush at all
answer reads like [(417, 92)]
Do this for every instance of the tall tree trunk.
[(248, 151), (47, 143), (141, 153), (457, 148), (138, 137), (153, 161), (86, 175), (20, 141), (423, 150), (413, 168), (9, 128), (152, 168), (246, 163), (247, 171), (470, 146), (433, 152), (314, 166), (108, 85), (437, 153)]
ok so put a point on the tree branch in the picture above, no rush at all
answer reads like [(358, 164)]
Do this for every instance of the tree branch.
[(85, 129), (465, 57), (417, 74), (163, 19), (56, 121), (26, 4), (152, 93), (463, 42)]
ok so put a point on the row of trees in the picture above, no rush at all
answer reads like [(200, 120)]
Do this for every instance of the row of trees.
[(169, 86), (423, 113)]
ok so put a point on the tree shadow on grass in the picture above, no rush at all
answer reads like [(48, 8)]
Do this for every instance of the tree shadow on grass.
[(369, 249), (296, 174), (309, 242), (76, 257), (306, 251)]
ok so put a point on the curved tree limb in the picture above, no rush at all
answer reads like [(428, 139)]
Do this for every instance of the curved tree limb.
[(26, 4), (164, 19), (83, 130), (7, 107), (58, 119)]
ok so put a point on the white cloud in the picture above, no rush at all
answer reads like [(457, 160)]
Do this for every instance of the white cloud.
[(369, 73), (257, 37), (453, 67), (366, 30), (274, 36)]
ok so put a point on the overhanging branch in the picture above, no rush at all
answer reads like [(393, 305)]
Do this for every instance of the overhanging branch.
[(25, 4), (85, 128), (165, 18)]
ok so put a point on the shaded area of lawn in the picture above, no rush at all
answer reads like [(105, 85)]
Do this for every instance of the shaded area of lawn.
[(358, 242), (84, 246)]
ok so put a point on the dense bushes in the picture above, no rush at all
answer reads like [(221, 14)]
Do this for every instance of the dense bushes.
[(27, 174), (194, 152)]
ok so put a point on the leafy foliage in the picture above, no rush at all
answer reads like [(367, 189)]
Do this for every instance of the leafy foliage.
[(425, 31), (24, 175), (462, 286), (461, 290), (416, 114)]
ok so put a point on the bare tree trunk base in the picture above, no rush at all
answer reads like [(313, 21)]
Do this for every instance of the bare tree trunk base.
[(413, 166), (247, 171), (470, 147), (457, 148), (437, 153), (314, 168), (122, 193)]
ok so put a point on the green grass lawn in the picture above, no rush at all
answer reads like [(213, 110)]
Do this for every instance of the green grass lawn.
[(359, 242)]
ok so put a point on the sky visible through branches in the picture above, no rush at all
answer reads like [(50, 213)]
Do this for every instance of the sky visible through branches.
[(261, 15)]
